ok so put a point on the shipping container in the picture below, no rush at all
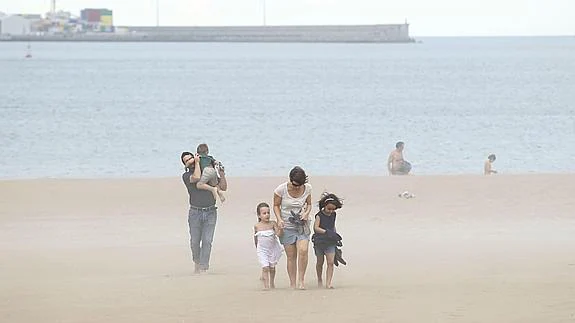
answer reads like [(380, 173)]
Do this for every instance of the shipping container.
[(91, 15), (106, 20)]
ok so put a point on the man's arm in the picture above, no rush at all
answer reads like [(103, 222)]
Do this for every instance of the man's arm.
[(197, 170), (390, 163), (487, 168)]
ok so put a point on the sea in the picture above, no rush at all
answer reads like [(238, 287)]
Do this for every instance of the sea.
[(128, 110)]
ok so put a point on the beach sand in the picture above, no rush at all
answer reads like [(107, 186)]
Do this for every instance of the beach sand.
[(465, 249)]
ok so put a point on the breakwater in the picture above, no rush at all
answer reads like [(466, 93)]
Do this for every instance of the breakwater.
[(392, 33)]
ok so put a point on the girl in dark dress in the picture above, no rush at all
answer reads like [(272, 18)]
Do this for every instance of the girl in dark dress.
[(325, 236)]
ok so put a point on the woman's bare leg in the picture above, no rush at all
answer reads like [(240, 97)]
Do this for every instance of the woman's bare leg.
[(318, 270), (302, 255), (329, 271), (291, 255)]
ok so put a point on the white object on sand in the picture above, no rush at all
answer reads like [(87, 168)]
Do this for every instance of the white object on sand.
[(407, 195)]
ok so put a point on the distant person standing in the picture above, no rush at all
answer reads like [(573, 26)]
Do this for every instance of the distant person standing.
[(203, 214), (488, 166), (396, 164)]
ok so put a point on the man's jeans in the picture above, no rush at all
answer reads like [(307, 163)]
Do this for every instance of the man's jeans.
[(202, 227)]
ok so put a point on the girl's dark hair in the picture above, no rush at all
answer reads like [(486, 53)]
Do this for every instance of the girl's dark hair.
[(492, 157), (297, 175), (259, 207), (330, 198)]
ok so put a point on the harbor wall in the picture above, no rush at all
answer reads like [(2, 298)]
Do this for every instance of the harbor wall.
[(335, 33)]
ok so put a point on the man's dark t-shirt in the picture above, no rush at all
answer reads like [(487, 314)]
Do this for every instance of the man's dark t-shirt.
[(198, 198)]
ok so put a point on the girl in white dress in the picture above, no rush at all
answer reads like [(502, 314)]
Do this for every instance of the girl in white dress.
[(268, 247)]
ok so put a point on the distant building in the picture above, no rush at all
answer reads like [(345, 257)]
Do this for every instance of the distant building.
[(15, 25), (97, 20), (32, 17), (61, 22)]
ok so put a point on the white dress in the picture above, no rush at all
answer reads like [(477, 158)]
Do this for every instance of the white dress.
[(269, 249)]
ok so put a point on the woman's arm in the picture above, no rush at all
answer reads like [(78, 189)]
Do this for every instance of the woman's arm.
[(307, 208), (277, 210), (278, 231)]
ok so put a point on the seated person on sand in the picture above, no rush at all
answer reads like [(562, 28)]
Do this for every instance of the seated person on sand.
[(488, 166), (396, 165), (209, 179)]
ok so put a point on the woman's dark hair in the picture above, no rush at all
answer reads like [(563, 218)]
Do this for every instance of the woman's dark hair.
[(491, 157), (297, 175), (259, 207), (330, 198)]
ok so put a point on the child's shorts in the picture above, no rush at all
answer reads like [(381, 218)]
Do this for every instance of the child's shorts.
[(209, 176), (321, 250)]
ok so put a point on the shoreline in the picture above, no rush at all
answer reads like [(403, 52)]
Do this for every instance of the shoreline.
[(242, 177)]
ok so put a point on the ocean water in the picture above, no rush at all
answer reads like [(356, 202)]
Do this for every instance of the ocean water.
[(84, 110)]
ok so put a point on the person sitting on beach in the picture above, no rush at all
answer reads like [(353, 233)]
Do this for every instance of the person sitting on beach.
[(396, 165), (325, 238), (268, 247), (209, 179), (488, 166)]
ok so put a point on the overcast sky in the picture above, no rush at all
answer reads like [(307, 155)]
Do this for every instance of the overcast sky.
[(427, 17)]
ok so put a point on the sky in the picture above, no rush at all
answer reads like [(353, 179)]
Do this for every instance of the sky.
[(426, 17)]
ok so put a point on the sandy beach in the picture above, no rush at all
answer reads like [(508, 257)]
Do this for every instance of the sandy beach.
[(465, 249)]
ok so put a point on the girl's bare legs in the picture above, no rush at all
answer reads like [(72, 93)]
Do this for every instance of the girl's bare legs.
[(291, 255), (318, 270), (329, 271), (272, 277), (266, 275), (302, 255)]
